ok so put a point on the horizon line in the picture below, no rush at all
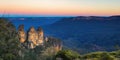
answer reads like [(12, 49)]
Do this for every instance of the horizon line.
[(20, 15)]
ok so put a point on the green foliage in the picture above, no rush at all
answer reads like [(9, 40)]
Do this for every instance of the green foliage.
[(100, 56), (9, 43), (47, 54), (93, 55), (30, 55), (67, 55), (106, 56), (115, 54)]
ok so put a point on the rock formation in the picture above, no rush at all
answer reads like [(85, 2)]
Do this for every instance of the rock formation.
[(34, 38), (21, 33), (56, 43), (40, 36)]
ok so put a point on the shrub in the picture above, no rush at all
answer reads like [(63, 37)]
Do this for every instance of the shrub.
[(106, 56), (68, 55)]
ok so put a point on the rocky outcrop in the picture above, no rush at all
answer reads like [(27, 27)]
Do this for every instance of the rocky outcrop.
[(54, 42), (22, 34), (34, 38), (40, 36)]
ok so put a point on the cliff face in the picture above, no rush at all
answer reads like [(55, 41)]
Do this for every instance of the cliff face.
[(34, 38), (40, 36), (21, 33), (56, 43)]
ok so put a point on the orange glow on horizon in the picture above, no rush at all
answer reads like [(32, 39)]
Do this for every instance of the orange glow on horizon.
[(46, 7)]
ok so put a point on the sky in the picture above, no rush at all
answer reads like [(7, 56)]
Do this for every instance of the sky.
[(59, 7)]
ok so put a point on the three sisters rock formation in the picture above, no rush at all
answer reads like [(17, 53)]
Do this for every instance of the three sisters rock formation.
[(34, 38)]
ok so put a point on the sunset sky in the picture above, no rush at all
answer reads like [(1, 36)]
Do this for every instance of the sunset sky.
[(59, 7)]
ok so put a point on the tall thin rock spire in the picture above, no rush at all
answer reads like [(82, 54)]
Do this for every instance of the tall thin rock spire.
[(21, 33)]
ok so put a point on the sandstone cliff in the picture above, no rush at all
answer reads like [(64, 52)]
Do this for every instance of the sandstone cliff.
[(22, 34), (34, 38), (40, 36)]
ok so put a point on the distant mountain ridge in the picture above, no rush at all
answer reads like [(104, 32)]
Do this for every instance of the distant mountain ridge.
[(95, 18), (33, 21)]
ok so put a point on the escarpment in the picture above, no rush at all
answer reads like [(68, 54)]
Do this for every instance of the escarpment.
[(34, 38)]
